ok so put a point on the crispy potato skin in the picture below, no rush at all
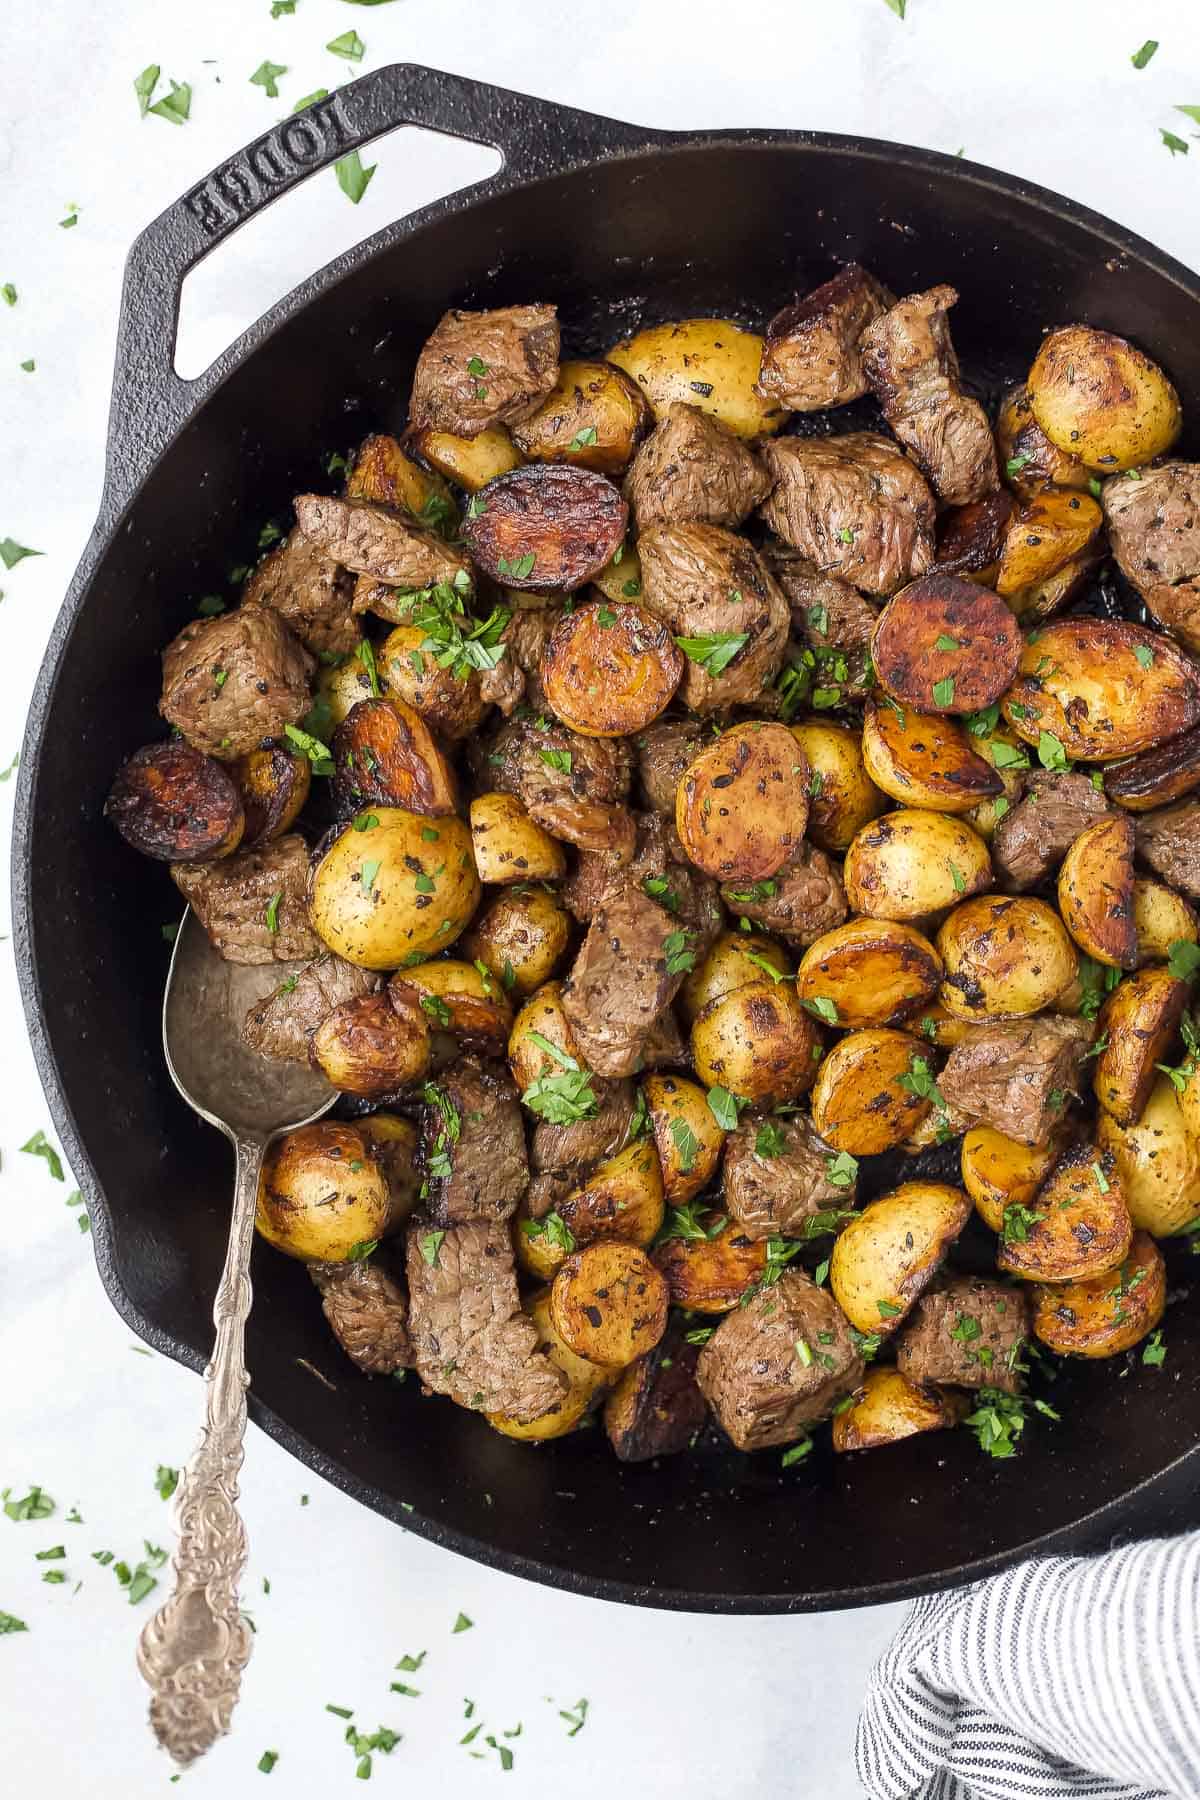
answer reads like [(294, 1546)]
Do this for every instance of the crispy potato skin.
[(622, 1198), (1158, 1160), (1083, 1226), (569, 521), (1021, 440), (394, 1142), (922, 759), (970, 536), (609, 671), (709, 363), (1093, 694), (274, 785), (370, 1046), (520, 937), (450, 704), (876, 972), (455, 996), (914, 862), (1158, 776), (937, 610), (586, 1383), (1095, 892), (1044, 536), (883, 1260), (1161, 918), (542, 1013), (742, 806), (846, 798), (173, 803), (608, 1303), (376, 923), (384, 755), (999, 1172), (890, 1407), (384, 471), (509, 846), (322, 1192), (1098, 398), (1004, 957), (594, 416), (711, 1274), (727, 967), (758, 1042), (1140, 1019), (1108, 1313), (656, 1409), (470, 462), (674, 1102), (858, 1104)]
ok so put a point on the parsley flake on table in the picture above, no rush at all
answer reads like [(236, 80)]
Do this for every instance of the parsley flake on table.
[(352, 178), (349, 45), (8, 294), (40, 1145), (29, 366), (269, 1758), (166, 1480), (280, 8), (174, 107), (462, 1623), (1176, 145), (576, 1718), (11, 553), (266, 76), (311, 100), (715, 651), (9, 1623), (1141, 57)]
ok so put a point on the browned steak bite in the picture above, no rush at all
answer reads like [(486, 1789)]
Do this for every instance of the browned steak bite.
[(1018, 1074), (571, 785), (664, 751), (761, 1386), (621, 982), (911, 364), (1169, 842), (470, 1338), (485, 368), (693, 467), (827, 613), (660, 867), (656, 1409), (712, 588), (810, 354), (253, 905), (281, 1025), (854, 506), (473, 1144), (777, 1175), (379, 541), (518, 674), (969, 1333), (576, 1148), (367, 1312), (1154, 530), (231, 682), (800, 902), (310, 592), (1035, 836)]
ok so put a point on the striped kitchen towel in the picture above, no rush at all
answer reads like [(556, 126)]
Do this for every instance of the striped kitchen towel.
[(1073, 1676)]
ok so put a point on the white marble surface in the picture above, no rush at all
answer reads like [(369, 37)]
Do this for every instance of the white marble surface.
[(680, 1705)]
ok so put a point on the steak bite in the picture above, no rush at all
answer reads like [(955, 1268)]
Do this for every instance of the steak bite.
[(807, 898), (281, 1024), (968, 1333), (367, 1312), (1154, 530), (854, 506), (1035, 836), (518, 674), (380, 542), (660, 868), (762, 1387), (656, 1409), (827, 613), (713, 589), (810, 356), (485, 368), (911, 364), (692, 467), (664, 751), (571, 785), (620, 981), (232, 682), (576, 1148), (1169, 842), (473, 1144), (470, 1338), (1017, 1074), (771, 1195), (311, 593), (254, 904)]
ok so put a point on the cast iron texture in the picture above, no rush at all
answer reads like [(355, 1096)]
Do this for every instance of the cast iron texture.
[(617, 224)]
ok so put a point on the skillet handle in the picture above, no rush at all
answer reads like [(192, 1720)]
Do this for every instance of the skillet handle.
[(150, 401)]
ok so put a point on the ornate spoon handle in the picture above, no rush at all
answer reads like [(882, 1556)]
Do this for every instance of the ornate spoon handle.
[(194, 1649)]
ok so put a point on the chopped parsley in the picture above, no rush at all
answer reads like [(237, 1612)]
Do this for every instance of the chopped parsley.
[(318, 754), (40, 1145), (1183, 959), (947, 643), (462, 1623), (266, 77), (841, 1170), (1141, 57), (368, 870), (1176, 145), (553, 1227), (36, 1504), (517, 568), (349, 45), (560, 1099), (715, 651), (583, 438), (430, 1243), (605, 617), (165, 1481), (823, 1008), (436, 1007), (368, 821), (557, 759), (688, 1222), (272, 914), (999, 1420), (680, 960), (956, 876), (687, 1144), (1051, 753), (798, 1451), (9, 1623), (1144, 655), (1016, 1222), (267, 1761), (943, 691), (455, 640), (1154, 1355), (352, 178), (725, 1107), (1015, 464), (983, 723), (770, 1140)]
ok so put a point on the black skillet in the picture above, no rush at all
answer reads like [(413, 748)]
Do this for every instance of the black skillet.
[(617, 224)]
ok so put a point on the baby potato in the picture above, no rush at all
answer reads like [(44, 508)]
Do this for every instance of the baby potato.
[(1043, 536), (757, 1042), (914, 862), (586, 1383), (387, 892), (384, 471), (941, 1028), (923, 759), (384, 754), (709, 363), (621, 576), (842, 796), (1095, 891), (1138, 1025), (969, 537), (870, 972), (1161, 917), (998, 1172), (469, 462), (1100, 399), (742, 806), (621, 1198), (323, 1193), (608, 1303), (656, 1409), (1158, 1162), (1041, 599), (687, 1137), (541, 1016), (889, 1407), (1156, 777), (858, 1103), (176, 804), (458, 997), (450, 704), (609, 671), (1009, 757), (883, 1260), (594, 415), (1031, 463), (1082, 1226), (1104, 688), (1004, 957), (369, 1046), (520, 936), (735, 961), (340, 685), (1108, 1313), (394, 1142), (274, 785), (510, 846), (712, 1273), (945, 645)]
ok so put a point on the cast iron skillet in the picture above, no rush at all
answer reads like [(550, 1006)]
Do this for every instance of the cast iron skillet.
[(615, 223)]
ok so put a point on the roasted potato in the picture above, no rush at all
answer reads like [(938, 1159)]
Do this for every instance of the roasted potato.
[(1003, 957), (394, 1143), (687, 1137), (1158, 1162), (709, 363), (1108, 1313), (868, 972), (859, 1104), (910, 863), (621, 1198), (384, 471), (274, 785), (1138, 1026), (884, 1259), (450, 704), (459, 997), (945, 645), (541, 1016), (842, 796), (714, 1271), (1082, 1225), (177, 805), (586, 1382), (340, 685), (520, 936), (656, 1409), (734, 961), (742, 806), (1095, 892), (1168, 772), (1030, 461), (939, 1027), (970, 536), (998, 1172), (545, 527), (384, 754), (889, 1407), (1103, 688), (368, 1046), (469, 462), (609, 670), (1100, 399), (758, 1042), (922, 759), (390, 890), (593, 416), (323, 1194), (608, 1303), (510, 846), (1010, 759), (1043, 536), (1049, 596), (1161, 918), (621, 576)]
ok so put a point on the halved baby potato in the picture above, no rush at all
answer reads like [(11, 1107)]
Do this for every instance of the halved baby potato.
[(910, 863), (842, 796), (384, 471), (1138, 1025), (923, 759), (1103, 688), (1041, 599), (608, 671), (541, 1016), (870, 972), (656, 1409), (686, 1135), (1004, 957), (1082, 1227), (883, 1260), (735, 961), (174, 803), (386, 892), (1161, 917), (394, 1143), (544, 527), (1099, 398), (1095, 891), (858, 1104), (470, 462), (945, 645), (1044, 536), (340, 685), (274, 785), (708, 363), (369, 1046), (1031, 463), (742, 806), (586, 1383), (450, 704), (1010, 758), (509, 846), (1158, 1161), (969, 537), (889, 1407), (998, 1172), (758, 1042), (609, 1304), (520, 936), (622, 1198), (459, 997), (594, 415), (1108, 1313), (384, 754), (713, 1273), (322, 1193), (1158, 776)]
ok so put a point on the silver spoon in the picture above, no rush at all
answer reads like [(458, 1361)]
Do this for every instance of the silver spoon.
[(194, 1649)]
